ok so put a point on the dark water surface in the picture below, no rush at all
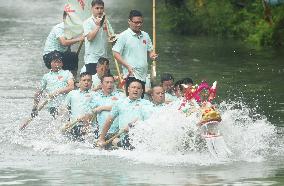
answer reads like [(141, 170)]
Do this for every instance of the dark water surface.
[(248, 78)]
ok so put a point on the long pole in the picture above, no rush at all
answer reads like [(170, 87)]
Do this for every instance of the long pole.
[(115, 61), (154, 64)]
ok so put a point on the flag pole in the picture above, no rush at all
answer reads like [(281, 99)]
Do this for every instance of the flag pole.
[(154, 64)]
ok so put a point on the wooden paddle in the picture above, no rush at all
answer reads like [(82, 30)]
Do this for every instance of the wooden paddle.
[(118, 133), (80, 46), (154, 63), (23, 126), (111, 39), (68, 126)]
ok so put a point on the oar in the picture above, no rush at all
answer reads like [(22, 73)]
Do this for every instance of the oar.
[(110, 139), (121, 131), (68, 126), (116, 63), (31, 118), (80, 46), (154, 64)]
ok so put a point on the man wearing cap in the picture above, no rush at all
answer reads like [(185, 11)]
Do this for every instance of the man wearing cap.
[(57, 83)]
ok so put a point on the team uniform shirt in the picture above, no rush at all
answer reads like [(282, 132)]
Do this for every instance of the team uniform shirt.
[(158, 108), (96, 81), (98, 46), (52, 42), (54, 81), (169, 97), (134, 49), (79, 101), (130, 110), (100, 99)]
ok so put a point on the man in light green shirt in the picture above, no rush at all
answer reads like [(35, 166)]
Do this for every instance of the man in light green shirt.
[(97, 30), (131, 50), (128, 110), (57, 83), (79, 103), (56, 41)]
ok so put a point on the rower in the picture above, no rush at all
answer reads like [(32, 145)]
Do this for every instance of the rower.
[(167, 82), (102, 69), (57, 83), (158, 96), (128, 110), (79, 103), (103, 101)]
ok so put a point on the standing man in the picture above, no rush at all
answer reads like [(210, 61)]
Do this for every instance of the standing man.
[(97, 30), (57, 41), (131, 49)]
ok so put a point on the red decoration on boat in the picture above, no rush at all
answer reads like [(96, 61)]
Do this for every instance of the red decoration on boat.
[(194, 93)]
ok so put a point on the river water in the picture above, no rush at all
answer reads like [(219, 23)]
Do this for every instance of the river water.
[(250, 98)]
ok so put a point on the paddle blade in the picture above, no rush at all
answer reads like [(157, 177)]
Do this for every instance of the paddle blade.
[(154, 71), (24, 125)]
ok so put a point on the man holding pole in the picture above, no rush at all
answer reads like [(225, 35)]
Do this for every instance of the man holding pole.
[(97, 30), (131, 49)]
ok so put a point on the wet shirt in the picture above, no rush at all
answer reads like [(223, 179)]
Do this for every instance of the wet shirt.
[(100, 99), (98, 46), (52, 42), (79, 101), (130, 110), (169, 97), (134, 49), (158, 107), (54, 81)]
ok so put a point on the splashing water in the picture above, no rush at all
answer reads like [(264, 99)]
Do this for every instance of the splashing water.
[(168, 137)]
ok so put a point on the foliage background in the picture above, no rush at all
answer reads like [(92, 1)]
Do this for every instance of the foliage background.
[(247, 20)]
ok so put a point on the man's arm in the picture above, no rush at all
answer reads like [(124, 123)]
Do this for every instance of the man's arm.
[(102, 108), (92, 34), (65, 90), (106, 127), (120, 60), (68, 42)]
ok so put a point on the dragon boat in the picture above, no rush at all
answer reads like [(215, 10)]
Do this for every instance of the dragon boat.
[(198, 99)]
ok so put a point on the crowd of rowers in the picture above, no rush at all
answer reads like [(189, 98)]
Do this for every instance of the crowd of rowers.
[(97, 93)]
